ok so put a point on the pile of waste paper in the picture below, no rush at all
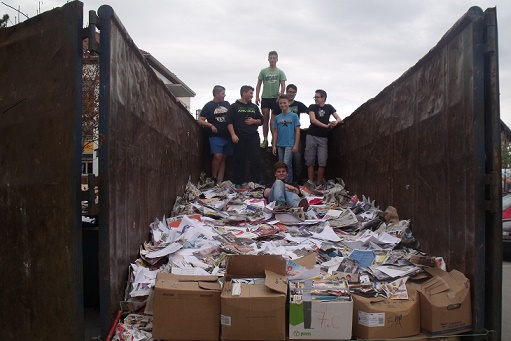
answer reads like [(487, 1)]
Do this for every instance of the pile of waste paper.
[(352, 239)]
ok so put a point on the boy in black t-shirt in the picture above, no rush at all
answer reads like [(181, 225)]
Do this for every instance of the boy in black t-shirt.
[(243, 120), (215, 112), (316, 144)]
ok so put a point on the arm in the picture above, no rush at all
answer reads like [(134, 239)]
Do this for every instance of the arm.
[(251, 120), (266, 192), (259, 117), (202, 122), (282, 87), (313, 119), (297, 139), (258, 90), (337, 120), (291, 188), (234, 137), (274, 143)]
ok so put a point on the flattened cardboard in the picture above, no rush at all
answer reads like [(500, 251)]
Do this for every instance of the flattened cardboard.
[(386, 318), (259, 311), (308, 261), (446, 307), (180, 302)]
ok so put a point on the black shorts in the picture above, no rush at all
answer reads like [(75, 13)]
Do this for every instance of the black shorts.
[(269, 103)]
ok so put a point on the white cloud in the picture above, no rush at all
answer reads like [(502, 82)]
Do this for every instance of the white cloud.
[(352, 49)]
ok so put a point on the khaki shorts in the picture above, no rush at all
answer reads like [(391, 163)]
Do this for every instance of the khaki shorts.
[(316, 146)]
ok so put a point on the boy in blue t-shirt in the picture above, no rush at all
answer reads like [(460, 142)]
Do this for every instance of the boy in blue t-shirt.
[(286, 131)]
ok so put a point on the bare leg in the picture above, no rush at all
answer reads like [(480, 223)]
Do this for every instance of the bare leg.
[(215, 165), (272, 119), (266, 118), (310, 173), (221, 169), (321, 174)]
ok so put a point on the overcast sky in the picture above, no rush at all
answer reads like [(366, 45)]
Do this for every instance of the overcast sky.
[(352, 49)]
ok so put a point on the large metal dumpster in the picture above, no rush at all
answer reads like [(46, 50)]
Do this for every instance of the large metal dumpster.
[(427, 144)]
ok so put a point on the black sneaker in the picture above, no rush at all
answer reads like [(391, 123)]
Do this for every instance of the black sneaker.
[(304, 204)]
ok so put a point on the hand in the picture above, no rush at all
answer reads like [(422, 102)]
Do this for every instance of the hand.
[(274, 150), (249, 121), (235, 138), (295, 149), (213, 129), (258, 100), (293, 189)]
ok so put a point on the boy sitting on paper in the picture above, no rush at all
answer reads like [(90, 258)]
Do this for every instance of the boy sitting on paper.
[(282, 192)]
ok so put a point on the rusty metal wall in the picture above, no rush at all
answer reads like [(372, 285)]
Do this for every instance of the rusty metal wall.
[(419, 146), (40, 143), (151, 146)]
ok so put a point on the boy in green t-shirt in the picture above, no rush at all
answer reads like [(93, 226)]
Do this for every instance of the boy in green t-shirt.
[(272, 79)]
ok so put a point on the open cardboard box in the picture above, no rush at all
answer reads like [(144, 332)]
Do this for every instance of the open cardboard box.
[(446, 307), (319, 320), (378, 317), (254, 311), (186, 307)]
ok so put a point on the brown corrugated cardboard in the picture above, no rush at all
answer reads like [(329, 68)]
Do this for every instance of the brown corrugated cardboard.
[(259, 311), (446, 307), (308, 261), (440, 338), (186, 307), (386, 318), (424, 337)]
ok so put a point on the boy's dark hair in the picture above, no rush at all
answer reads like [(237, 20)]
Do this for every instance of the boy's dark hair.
[(280, 164), (291, 86), (273, 53), (283, 97), (245, 88), (321, 92), (217, 89)]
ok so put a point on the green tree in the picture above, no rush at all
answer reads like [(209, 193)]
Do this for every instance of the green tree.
[(505, 156), (90, 98), (505, 148), (4, 20)]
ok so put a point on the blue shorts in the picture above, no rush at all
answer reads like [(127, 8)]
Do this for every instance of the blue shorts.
[(220, 145)]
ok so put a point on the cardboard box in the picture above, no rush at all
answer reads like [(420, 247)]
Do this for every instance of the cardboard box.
[(319, 320), (424, 337), (385, 318), (256, 311), (328, 320), (446, 307), (186, 307)]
